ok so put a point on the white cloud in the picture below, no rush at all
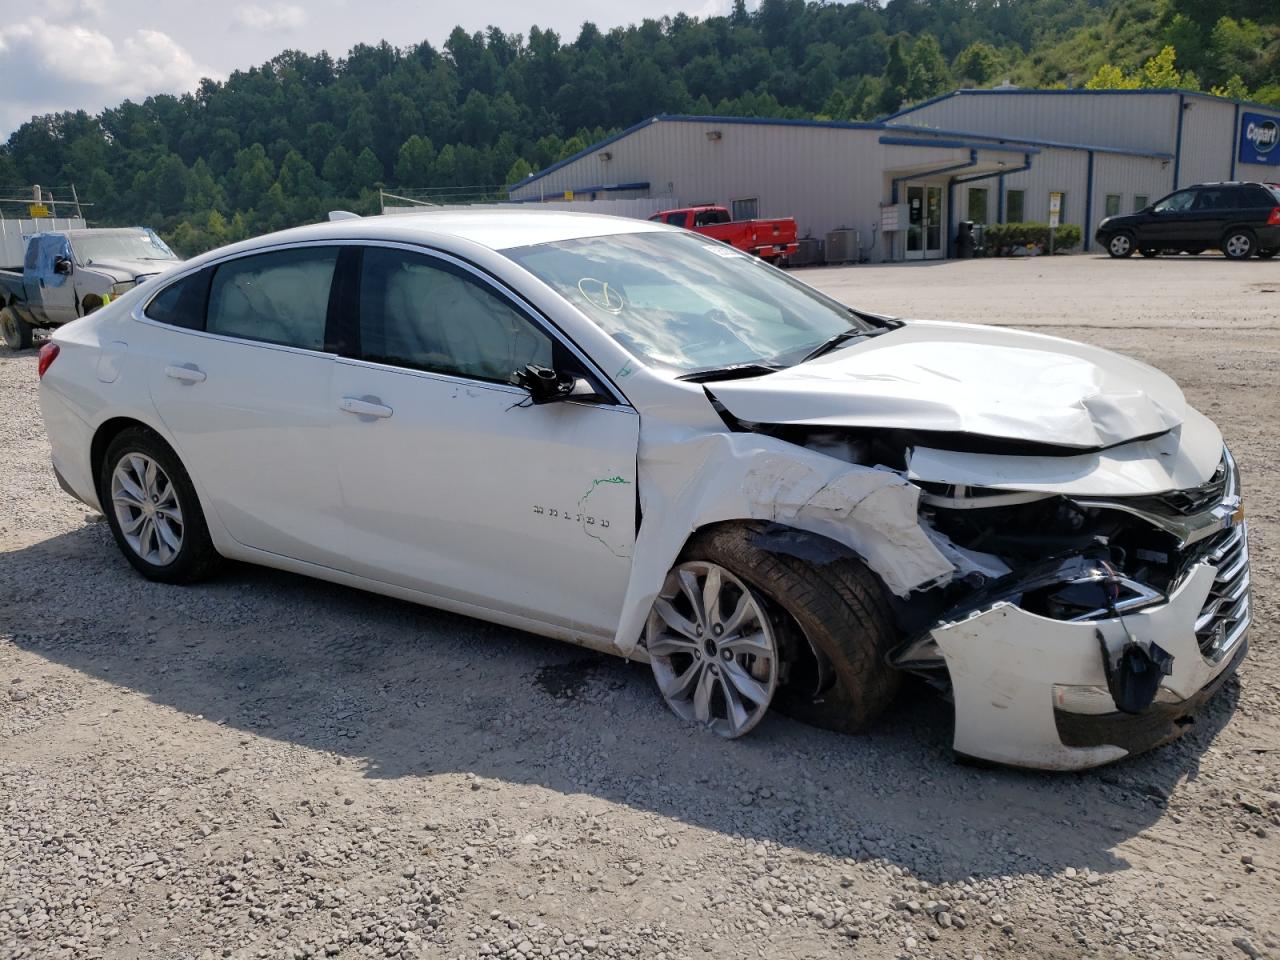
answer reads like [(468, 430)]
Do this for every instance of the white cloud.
[(278, 17), (80, 67)]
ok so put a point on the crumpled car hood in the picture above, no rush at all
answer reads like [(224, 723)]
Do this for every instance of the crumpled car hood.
[(967, 379), (122, 271)]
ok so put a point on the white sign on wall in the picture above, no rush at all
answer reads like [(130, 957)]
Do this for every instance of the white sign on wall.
[(1055, 210)]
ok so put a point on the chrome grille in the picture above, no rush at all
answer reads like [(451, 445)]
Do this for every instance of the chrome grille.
[(1226, 613)]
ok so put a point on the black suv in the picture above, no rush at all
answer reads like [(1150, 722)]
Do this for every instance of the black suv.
[(1240, 219)]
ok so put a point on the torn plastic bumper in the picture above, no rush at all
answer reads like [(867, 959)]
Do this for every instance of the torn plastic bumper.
[(1031, 691)]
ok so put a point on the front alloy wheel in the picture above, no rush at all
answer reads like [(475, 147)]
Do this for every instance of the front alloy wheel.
[(1121, 245), (712, 649), (147, 509)]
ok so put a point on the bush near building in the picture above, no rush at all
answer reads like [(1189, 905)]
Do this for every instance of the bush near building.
[(1001, 239)]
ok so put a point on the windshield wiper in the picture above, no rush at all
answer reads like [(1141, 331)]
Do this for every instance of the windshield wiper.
[(735, 371), (838, 340)]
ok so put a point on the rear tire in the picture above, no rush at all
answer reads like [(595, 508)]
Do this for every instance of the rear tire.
[(153, 511), (837, 610), (1121, 245), (17, 332), (1238, 245)]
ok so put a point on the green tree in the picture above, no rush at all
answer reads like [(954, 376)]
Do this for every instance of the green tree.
[(927, 72), (979, 63), (367, 171), (519, 170), (415, 162), (894, 90)]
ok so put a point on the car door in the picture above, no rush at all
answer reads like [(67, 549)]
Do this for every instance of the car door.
[(244, 389), (1211, 212), (49, 292), (1168, 224), (453, 482)]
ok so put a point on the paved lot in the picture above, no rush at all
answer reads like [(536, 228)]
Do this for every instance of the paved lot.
[(269, 766)]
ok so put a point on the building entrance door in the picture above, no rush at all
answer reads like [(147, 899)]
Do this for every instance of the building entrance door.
[(925, 219)]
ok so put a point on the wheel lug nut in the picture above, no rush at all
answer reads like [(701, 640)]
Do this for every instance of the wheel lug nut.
[(727, 654), (717, 629)]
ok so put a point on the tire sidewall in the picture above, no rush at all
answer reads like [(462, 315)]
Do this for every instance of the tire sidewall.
[(15, 331), (196, 545)]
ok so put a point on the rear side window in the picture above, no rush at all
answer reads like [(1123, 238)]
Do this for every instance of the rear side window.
[(1217, 198), (280, 297), (181, 304)]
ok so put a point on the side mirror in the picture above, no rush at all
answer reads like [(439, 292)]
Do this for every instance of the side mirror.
[(62, 265), (548, 386)]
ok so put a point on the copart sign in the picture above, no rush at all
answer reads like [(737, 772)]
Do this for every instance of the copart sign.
[(1259, 139)]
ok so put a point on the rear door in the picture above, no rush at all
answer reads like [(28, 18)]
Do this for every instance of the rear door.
[(244, 388), (1211, 213), (453, 482)]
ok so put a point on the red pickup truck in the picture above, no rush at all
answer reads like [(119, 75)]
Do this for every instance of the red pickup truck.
[(771, 240)]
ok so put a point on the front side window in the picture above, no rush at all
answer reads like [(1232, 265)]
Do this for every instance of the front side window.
[(686, 303), (1015, 206), (1177, 202), (427, 314), (182, 303), (279, 297), (1112, 205)]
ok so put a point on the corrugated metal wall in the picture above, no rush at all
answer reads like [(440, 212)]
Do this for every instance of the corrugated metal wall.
[(1129, 121), (1208, 141)]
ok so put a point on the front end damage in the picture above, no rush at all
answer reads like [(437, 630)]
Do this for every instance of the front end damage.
[(1117, 617)]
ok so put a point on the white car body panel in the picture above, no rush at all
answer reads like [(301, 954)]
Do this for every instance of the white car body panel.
[(468, 500)]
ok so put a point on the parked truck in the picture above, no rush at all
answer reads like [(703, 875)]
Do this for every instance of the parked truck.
[(772, 240), (70, 273)]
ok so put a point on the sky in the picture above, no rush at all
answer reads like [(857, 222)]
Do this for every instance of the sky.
[(88, 54)]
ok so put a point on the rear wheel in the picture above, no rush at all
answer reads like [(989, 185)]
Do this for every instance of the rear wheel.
[(815, 635), (153, 510), (17, 332), (1268, 253), (1238, 245), (1121, 245)]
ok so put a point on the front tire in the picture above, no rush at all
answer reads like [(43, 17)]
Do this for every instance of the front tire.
[(830, 622), (1238, 245), (17, 332), (1120, 245), (153, 511)]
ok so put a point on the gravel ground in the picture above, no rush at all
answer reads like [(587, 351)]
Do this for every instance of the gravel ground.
[(267, 766)]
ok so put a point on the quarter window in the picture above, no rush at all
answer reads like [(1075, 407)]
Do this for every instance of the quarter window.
[(1015, 206), (181, 304), (431, 315), (1112, 205), (280, 297)]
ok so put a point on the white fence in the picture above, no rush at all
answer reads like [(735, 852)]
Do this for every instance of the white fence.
[(14, 233)]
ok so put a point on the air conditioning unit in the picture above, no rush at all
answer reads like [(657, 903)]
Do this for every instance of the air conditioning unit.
[(808, 251), (843, 246)]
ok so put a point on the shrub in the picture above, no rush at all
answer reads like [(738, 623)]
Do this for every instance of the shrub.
[(1001, 239)]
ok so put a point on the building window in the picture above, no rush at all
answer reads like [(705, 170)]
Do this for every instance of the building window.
[(978, 205), (1015, 207), (1113, 205), (746, 209), (1140, 202)]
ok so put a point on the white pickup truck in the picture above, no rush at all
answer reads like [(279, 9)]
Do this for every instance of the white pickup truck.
[(70, 273)]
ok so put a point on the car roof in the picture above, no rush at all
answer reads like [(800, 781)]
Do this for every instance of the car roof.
[(497, 229)]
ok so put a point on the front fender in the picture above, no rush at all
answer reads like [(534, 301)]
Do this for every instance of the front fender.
[(689, 480)]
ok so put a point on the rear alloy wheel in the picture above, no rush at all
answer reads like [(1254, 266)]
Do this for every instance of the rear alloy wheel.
[(1268, 253), (712, 649), (153, 510), (1121, 245), (16, 332), (1238, 245)]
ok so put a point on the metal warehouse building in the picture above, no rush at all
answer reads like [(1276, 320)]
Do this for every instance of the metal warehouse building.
[(901, 185)]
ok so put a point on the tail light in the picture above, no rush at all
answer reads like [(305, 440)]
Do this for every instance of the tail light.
[(48, 353), (1274, 219)]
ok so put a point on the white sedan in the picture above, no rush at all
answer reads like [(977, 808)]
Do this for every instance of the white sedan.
[(632, 438)]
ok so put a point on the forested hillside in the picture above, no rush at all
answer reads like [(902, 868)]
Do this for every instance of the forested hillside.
[(281, 143)]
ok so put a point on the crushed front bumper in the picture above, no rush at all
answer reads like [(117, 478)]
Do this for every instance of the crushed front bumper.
[(1027, 688)]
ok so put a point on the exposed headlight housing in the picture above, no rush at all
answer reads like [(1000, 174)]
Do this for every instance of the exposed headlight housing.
[(123, 287)]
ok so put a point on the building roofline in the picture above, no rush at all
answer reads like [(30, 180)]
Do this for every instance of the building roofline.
[(1073, 91), (849, 125)]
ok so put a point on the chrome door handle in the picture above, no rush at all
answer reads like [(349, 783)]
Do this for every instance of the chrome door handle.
[(187, 373), (365, 407)]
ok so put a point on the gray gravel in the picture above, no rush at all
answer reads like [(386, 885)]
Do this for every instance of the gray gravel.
[(266, 766)]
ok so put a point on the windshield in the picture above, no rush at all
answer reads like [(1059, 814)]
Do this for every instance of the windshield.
[(121, 245), (685, 303)]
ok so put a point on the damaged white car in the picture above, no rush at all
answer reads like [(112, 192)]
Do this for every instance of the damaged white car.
[(638, 440)]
